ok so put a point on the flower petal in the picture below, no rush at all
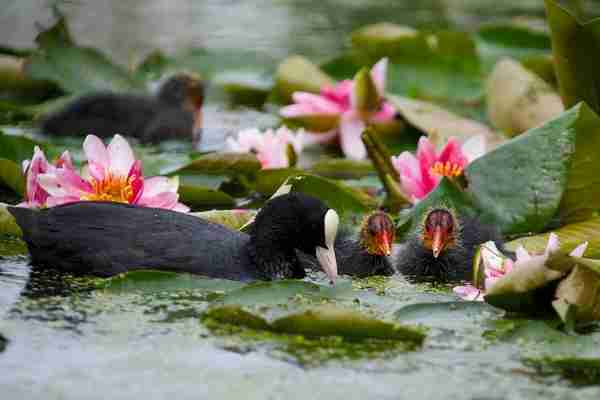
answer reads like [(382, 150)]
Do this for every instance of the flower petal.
[(120, 156), (386, 114), (553, 244), (474, 147), (351, 129), (579, 250), (97, 155), (468, 292), (318, 104), (522, 254), (378, 74)]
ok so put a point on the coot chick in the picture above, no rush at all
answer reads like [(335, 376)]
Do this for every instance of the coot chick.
[(443, 246), (366, 255), (105, 238), (174, 113)]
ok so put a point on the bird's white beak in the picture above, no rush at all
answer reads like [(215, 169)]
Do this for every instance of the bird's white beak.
[(326, 255)]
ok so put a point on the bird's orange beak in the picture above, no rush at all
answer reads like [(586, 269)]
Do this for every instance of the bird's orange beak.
[(383, 243), (439, 242)]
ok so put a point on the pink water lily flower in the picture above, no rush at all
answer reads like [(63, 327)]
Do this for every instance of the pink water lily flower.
[(340, 101), (114, 175), (421, 174), (35, 195), (271, 147), (497, 266)]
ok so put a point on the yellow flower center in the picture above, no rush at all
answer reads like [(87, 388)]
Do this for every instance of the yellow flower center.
[(448, 169), (111, 188)]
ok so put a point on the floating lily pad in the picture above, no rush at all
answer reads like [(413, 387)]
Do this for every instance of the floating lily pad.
[(277, 292), (8, 225), (297, 73), (157, 281), (515, 39), (11, 176), (228, 164), (198, 197), (330, 321), (346, 200), (448, 315)]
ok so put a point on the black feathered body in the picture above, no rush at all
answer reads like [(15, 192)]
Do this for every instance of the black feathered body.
[(353, 259), (105, 114), (453, 264), (104, 239)]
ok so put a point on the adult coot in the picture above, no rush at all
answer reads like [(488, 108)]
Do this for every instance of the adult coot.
[(443, 246), (174, 113), (366, 255), (104, 239)]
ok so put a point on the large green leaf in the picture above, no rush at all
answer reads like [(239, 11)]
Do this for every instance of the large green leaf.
[(198, 197), (296, 73), (19, 148), (228, 164), (582, 194), (8, 225), (11, 176), (79, 70), (442, 65), (570, 236), (519, 185), (575, 46), (516, 39), (345, 200)]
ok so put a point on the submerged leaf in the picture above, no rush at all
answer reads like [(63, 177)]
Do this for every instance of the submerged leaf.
[(330, 321)]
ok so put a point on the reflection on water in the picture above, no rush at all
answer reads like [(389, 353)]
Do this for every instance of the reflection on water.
[(129, 29)]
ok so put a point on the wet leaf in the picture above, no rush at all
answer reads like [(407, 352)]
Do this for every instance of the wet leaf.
[(78, 70), (346, 200), (518, 100), (276, 292), (421, 62), (269, 180), (227, 164), (364, 91), (236, 315), (342, 168), (19, 148), (447, 315), (11, 176), (515, 39), (158, 281), (575, 69), (440, 124), (570, 236), (330, 321), (8, 225), (198, 197), (296, 73)]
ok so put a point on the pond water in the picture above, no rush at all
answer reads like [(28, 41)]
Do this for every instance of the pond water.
[(145, 340)]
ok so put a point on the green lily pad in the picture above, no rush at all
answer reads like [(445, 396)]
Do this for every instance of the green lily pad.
[(297, 73), (277, 292), (11, 176), (576, 70), (447, 315), (19, 148), (581, 371), (198, 197), (158, 281), (570, 236), (226, 164), (346, 200), (342, 168), (514, 39), (235, 315), (330, 321), (8, 225), (442, 65)]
